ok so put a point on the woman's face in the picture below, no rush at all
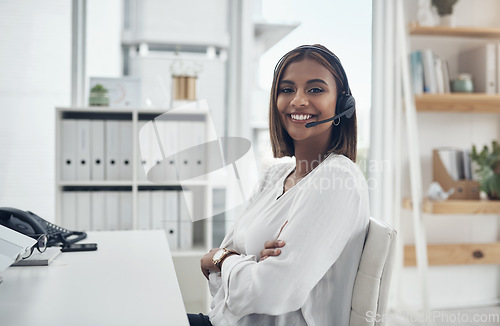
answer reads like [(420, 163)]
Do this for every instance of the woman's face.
[(307, 92)]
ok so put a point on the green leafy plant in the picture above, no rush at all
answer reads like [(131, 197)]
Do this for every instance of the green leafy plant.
[(444, 7), (98, 88), (98, 96), (488, 168)]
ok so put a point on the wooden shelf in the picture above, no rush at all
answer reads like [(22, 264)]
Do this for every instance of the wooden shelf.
[(456, 254), (457, 206), (458, 102), (485, 32)]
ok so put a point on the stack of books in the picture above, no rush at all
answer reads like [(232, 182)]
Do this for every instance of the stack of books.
[(430, 72)]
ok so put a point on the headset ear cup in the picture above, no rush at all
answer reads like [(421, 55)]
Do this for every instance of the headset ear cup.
[(349, 104), (345, 102), (341, 104)]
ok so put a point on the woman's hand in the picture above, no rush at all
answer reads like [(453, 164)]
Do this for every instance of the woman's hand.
[(207, 263), (271, 248)]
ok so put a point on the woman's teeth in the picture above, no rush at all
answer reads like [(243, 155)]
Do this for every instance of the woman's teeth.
[(301, 116)]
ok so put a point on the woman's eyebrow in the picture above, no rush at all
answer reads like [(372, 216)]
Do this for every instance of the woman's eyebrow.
[(312, 81), (317, 81)]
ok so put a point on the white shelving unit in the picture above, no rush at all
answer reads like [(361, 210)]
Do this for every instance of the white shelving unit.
[(429, 249), (186, 260)]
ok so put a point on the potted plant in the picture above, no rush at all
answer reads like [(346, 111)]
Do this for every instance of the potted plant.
[(488, 168), (445, 11), (98, 96)]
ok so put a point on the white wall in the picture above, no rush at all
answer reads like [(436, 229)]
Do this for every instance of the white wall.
[(35, 60), (104, 32), (35, 52), (181, 22), (462, 284)]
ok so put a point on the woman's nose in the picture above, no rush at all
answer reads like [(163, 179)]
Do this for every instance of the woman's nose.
[(300, 99)]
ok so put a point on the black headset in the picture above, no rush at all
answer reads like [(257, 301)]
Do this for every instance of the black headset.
[(345, 102)]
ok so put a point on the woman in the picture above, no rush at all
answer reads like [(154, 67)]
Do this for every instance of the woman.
[(292, 257)]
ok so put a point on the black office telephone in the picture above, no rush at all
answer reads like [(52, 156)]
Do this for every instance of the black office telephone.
[(31, 224)]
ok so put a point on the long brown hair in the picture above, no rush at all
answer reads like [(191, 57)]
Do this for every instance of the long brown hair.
[(343, 137)]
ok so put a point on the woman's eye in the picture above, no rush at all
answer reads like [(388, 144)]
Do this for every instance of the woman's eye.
[(315, 90), (286, 90)]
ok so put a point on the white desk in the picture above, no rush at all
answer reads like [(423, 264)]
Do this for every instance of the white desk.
[(129, 280)]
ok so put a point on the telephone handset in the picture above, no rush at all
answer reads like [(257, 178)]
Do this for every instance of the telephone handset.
[(31, 224)]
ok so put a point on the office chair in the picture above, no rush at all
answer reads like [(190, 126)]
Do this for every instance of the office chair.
[(371, 287)]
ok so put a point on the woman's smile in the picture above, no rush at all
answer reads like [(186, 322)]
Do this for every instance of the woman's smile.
[(307, 92), (301, 117)]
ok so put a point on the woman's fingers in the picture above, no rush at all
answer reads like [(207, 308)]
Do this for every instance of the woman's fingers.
[(270, 252), (272, 248), (274, 244), (205, 272), (266, 253)]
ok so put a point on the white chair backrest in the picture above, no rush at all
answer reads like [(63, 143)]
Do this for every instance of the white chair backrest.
[(371, 287)]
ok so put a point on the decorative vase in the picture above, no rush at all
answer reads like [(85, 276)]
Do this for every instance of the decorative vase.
[(98, 98), (425, 16), (463, 84), (184, 87), (447, 21)]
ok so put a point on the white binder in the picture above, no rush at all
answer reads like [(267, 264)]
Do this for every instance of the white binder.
[(97, 150), (186, 226), (125, 151), (172, 218), (430, 85), (112, 149), (150, 151), (143, 210), (68, 210), (480, 62), (125, 215), (198, 163), (186, 158), (68, 149), (83, 210), (168, 134), (438, 67), (142, 153), (157, 210), (83, 149), (112, 210), (98, 210)]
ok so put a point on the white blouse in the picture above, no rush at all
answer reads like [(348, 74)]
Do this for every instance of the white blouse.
[(311, 281)]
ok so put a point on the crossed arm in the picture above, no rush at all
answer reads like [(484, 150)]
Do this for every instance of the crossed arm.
[(271, 248)]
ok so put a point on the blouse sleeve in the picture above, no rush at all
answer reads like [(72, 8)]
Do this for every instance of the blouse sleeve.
[(265, 181), (214, 281), (324, 218)]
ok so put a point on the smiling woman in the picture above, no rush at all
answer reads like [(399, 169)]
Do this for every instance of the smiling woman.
[(303, 98), (310, 87), (278, 248), (311, 77), (345, 27)]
